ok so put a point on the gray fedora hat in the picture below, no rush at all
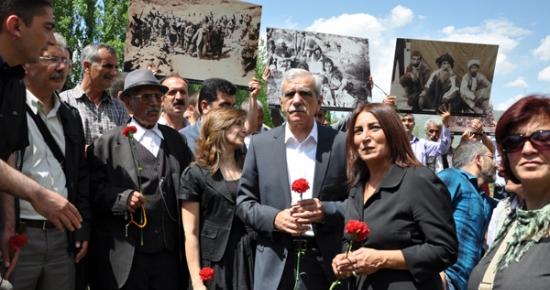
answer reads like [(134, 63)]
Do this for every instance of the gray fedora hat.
[(141, 78)]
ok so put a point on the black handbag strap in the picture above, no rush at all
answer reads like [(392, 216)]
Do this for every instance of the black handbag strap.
[(54, 147)]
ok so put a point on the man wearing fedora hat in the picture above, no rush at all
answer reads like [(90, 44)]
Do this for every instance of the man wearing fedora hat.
[(133, 184)]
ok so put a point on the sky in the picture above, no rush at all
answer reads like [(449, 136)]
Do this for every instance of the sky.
[(520, 28)]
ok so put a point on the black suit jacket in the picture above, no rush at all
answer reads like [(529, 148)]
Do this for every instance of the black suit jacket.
[(113, 178), (410, 211), (76, 170), (217, 208), (264, 191)]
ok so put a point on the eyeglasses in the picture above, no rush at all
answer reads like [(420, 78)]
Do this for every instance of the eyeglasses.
[(55, 59), (514, 142), (488, 155), (146, 97)]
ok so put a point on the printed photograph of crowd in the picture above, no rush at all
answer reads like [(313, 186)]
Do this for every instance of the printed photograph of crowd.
[(342, 63), (428, 74), (213, 37)]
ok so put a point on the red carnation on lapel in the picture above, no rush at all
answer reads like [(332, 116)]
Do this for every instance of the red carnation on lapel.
[(129, 131), (358, 230), (206, 274), (300, 185), (18, 241)]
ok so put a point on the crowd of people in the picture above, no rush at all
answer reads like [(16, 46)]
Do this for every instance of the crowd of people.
[(150, 188)]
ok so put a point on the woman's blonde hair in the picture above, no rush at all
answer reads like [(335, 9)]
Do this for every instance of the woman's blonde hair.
[(211, 143)]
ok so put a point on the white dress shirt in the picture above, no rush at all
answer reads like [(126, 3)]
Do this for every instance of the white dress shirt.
[(300, 160), (39, 163), (149, 138)]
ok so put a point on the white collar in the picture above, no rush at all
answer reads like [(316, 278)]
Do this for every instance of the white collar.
[(141, 130), (312, 134)]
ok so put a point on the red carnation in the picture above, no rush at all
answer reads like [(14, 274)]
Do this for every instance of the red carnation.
[(300, 185), (357, 230), (129, 130), (18, 241), (206, 274)]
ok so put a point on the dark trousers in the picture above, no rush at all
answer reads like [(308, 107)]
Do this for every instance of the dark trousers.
[(156, 271), (310, 264)]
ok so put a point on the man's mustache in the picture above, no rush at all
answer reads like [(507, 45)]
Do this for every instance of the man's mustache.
[(57, 75), (179, 102), (152, 109), (109, 76)]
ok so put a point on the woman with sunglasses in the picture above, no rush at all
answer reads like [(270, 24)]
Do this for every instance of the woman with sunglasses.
[(521, 251)]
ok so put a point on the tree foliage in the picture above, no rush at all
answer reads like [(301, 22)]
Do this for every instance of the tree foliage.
[(82, 22)]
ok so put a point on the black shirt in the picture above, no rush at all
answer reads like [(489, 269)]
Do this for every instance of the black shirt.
[(13, 119)]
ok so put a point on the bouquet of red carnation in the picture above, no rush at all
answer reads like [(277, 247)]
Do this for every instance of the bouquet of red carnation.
[(206, 274), (358, 231), (300, 186), (129, 132), (17, 241)]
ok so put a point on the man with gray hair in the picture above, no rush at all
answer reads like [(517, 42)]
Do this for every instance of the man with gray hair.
[(54, 159), (260, 126), (288, 223), (99, 111), (475, 89), (474, 166), (433, 128)]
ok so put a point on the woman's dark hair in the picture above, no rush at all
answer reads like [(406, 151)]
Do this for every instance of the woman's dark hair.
[(519, 114), (401, 152)]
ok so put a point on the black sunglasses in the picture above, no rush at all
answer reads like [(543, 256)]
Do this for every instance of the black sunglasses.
[(514, 142)]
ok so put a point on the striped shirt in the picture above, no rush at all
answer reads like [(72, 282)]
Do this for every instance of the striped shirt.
[(96, 120)]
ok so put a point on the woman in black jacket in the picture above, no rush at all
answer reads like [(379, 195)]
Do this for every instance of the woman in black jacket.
[(208, 188)]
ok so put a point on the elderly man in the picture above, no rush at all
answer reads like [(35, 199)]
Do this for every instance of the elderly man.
[(433, 128), (475, 89), (99, 111), (137, 221), (287, 222), (473, 166), (423, 148), (441, 87), (176, 102), (26, 31), (54, 159), (217, 93), (415, 78)]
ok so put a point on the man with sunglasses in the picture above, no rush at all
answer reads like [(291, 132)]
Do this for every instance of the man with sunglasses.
[(137, 221), (55, 159), (474, 165)]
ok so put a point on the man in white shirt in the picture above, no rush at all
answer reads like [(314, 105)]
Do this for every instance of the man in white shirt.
[(134, 180), (49, 258), (288, 222)]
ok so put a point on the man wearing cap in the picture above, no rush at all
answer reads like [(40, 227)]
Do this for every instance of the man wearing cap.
[(475, 89), (442, 86), (137, 225)]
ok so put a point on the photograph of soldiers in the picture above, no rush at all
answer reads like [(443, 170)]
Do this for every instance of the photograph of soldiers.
[(427, 74), (216, 38), (342, 64)]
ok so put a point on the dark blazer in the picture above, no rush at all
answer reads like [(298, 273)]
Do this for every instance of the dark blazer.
[(410, 211), (76, 170), (216, 209), (113, 176), (264, 191)]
